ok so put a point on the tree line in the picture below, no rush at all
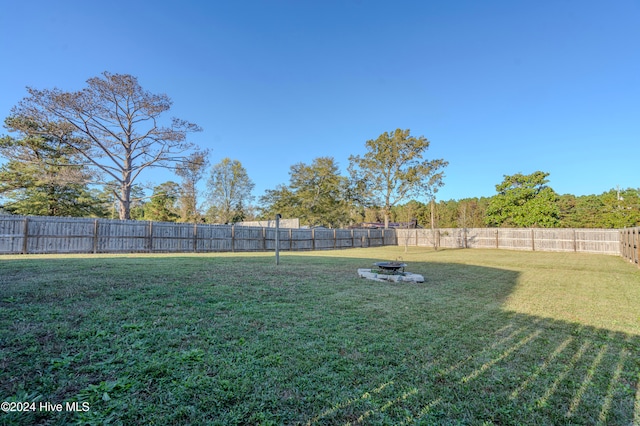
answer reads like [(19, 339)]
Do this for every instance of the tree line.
[(83, 153), (616, 208)]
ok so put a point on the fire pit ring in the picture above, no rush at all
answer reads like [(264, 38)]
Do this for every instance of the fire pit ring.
[(390, 272), (391, 266)]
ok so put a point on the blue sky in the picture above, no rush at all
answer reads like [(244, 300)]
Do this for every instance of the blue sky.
[(498, 87)]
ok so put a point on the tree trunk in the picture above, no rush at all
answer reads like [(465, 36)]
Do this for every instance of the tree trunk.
[(125, 188), (125, 202)]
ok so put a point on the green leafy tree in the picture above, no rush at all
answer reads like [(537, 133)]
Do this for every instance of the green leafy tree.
[(567, 207), (621, 208), (113, 125), (229, 191), (162, 206), (320, 193), (42, 176), (524, 201), (447, 213), (471, 212), (373, 214), (393, 170), (413, 210), (317, 194), (465, 213), (191, 171), (281, 200)]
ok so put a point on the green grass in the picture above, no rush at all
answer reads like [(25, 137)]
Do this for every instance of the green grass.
[(491, 337)]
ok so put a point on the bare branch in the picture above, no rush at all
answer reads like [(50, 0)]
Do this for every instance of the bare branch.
[(113, 124)]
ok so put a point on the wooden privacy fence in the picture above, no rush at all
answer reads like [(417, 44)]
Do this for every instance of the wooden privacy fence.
[(606, 241), (35, 234), (21, 234), (630, 244)]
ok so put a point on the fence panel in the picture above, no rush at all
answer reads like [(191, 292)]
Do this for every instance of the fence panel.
[(171, 237), (63, 236), (630, 244), (389, 237), (284, 235), (598, 241), (482, 238), (247, 238), (123, 236), (376, 237), (606, 241), (12, 232), (360, 237), (213, 238), (324, 239), (343, 238), (302, 239)]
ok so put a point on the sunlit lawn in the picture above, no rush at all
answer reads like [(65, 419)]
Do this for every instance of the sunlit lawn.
[(491, 337)]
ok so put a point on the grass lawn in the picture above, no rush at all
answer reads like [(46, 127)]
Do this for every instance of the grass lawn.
[(491, 337)]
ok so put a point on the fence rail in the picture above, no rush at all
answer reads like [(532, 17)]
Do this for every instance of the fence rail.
[(630, 244), (35, 234), (605, 241)]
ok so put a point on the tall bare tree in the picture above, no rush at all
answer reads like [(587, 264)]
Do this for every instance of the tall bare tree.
[(114, 125)]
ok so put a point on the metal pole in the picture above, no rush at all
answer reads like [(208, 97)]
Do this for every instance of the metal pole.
[(278, 216)]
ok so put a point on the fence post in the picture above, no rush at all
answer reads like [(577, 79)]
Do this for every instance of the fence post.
[(497, 240), (353, 240), (278, 238), (575, 243), (313, 239), (25, 232), (637, 243), (150, 239), (334, 238), (95, 236), (627, 243), (195, 237), (533, 240), (264, 239), (233, 238)]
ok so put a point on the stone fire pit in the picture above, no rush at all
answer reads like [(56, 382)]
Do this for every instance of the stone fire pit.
[(390, 272)]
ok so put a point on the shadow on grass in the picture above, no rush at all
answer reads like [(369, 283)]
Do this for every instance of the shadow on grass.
[(236, 340)]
